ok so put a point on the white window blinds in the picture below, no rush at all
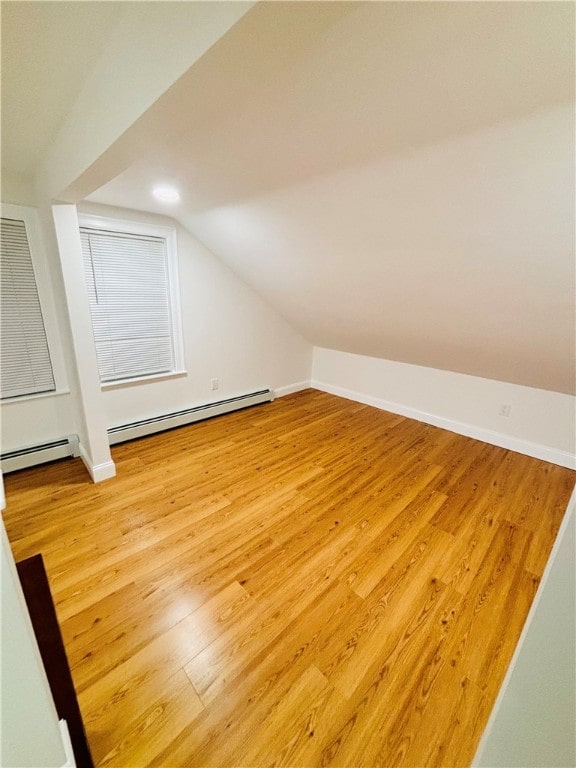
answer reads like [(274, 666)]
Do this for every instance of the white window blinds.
[(128, 287), (25, 360)]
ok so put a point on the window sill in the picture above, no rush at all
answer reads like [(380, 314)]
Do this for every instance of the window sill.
[(39, 396), (108, 385)]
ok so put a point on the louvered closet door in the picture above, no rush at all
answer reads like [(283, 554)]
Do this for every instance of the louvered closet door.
[(25, 360), (128, 288)]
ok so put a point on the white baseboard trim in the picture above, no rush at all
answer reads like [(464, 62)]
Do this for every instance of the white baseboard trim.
[(291, 388), (67, 744), (98, 472), (502, 440), (529, 619)]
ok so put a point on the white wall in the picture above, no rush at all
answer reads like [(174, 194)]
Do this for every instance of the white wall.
[(533, 723), (36, 420), (229, 333), (31, 736), (540, 423), (16, 189)]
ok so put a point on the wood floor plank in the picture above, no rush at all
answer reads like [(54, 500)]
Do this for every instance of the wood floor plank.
[(442, 728), (157, 726), (138, 679), (388, 543), (312, 582), (373, 717), (294, 722), (408, 594), (500, 594), (241, 709), (229, 655), (470, 487), (206, 543), (205, 622)]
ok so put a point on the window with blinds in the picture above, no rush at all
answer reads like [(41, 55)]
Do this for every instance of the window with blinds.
[(26, 368), (128, 282)]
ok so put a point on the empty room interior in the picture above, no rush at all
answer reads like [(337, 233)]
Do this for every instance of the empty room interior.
[(288, 380)]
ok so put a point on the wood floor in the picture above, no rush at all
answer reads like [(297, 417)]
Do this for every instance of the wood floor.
[(307, 583)]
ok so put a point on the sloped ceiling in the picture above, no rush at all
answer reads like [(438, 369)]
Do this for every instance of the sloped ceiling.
[(396, 178), (47, 51)]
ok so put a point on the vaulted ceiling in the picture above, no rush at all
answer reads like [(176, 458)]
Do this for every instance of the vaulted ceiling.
[(47, 52), (395, 178)]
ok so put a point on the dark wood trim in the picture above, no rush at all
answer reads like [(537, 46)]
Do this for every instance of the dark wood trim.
[(45, 623)]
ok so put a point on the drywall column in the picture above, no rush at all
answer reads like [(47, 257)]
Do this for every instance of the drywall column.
[(31, 733), (94, 447), (532, 723)]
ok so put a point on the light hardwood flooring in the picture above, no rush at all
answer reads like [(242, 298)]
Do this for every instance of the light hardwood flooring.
[(311, 582)]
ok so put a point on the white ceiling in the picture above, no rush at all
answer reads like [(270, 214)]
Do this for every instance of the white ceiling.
[(47, 51), (396, 178), (299, 90)]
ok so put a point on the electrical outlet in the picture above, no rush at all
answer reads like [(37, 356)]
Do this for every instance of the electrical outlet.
[(504, 410), (215, 384)]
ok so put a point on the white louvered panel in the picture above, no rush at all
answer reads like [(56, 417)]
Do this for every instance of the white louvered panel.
[(138, 357), (128, 288), (24, 357)]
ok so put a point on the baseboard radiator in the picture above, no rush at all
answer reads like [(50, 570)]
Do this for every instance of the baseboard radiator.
[(180, 418), (39, 454)]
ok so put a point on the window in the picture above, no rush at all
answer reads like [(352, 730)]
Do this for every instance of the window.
[(26, 367), (131, 277)]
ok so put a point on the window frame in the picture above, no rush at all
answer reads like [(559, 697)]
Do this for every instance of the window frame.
[(168, 234), (45, 291)]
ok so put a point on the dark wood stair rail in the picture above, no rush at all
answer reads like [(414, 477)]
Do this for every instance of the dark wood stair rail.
[(38, 598)]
